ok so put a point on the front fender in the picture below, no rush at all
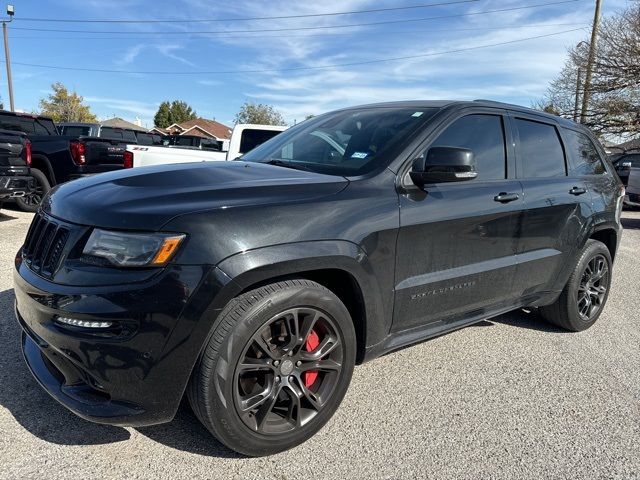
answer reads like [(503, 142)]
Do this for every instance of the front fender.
[(261, 265)]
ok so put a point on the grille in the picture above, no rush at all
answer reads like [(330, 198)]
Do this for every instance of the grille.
[(44, 245)]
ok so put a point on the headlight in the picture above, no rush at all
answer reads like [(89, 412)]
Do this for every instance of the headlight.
[(132, 249)]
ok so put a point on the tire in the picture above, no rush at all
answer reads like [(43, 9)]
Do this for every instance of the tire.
[(571, 310), (250, 325), (31, 202)]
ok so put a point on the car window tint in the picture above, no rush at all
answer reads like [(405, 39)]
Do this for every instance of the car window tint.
[(586, 158), (540, 149), (484, 136)]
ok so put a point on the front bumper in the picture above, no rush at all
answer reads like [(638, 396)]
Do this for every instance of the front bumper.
[(134, 375), (16, 186)]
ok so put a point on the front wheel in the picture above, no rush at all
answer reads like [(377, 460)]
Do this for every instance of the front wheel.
[(585, 294), (275, 368), (31, 202)]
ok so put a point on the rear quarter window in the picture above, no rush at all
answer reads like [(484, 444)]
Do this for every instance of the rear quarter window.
[(585, 156), (539, 149)]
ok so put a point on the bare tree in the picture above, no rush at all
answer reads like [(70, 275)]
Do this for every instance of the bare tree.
[(614, 106)]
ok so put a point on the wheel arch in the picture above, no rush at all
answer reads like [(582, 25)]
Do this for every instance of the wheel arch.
[(41, 162), (339, 266), (608, 236)]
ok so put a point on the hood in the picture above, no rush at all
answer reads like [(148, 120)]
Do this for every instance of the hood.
[(146, 198)]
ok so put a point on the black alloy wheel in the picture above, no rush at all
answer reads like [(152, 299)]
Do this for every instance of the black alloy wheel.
[(275, 367), (32, 201), (288, 371), (585, 294), (593, 287)]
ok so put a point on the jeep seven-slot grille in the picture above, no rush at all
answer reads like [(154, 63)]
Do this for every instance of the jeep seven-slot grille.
[(44, 245)]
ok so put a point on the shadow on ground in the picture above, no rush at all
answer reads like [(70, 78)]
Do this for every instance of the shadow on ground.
[(526, 318), (45, 418), (4, 215)]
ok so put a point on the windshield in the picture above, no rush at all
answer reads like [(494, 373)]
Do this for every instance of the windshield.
[(348, 143)]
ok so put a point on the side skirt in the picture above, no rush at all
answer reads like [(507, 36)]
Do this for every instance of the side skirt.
[(405, 338)]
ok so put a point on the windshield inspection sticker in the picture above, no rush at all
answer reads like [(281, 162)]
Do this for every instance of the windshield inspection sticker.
[(359, 155), (417, 114)]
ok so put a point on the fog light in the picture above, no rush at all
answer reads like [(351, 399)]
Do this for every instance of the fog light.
[(74, 322)]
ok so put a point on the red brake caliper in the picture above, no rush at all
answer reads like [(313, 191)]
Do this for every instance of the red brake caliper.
[(310, 345)]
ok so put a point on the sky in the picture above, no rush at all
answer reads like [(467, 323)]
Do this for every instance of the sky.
[(305, 65)]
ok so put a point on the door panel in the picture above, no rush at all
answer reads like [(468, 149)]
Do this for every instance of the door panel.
[(556, 206), (549, 230), (456, 251)]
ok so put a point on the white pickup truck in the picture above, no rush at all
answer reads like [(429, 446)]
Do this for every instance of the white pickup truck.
[(244, 137)]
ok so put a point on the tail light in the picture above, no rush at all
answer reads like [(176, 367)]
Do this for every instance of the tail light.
[(27, 152), (77, 152), (128, 159)]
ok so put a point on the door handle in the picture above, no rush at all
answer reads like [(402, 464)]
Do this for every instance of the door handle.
[(504, 197), (577, 191)]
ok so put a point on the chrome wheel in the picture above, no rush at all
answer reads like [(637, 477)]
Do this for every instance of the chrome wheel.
[(593, 287), (288, 371)]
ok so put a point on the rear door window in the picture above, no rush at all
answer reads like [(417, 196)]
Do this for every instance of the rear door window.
[(539, 149), (586, 158), (484, 136)]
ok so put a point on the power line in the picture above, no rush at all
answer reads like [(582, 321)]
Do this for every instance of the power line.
[(385, 22), (246, 19), (291, 69), (328, 34)]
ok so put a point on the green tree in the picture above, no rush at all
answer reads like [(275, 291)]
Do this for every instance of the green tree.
[(174, 112), (64, 106), (260, 114), (162, 117)]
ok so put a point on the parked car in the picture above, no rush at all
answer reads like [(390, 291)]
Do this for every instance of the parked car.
[(254, 286), (15, 158), (627, 167), (190, 148), (59, 158)]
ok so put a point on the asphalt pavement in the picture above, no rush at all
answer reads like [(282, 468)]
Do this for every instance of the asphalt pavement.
[(511, 397)]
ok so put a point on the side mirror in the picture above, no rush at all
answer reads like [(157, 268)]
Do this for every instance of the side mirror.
[(443, 164)]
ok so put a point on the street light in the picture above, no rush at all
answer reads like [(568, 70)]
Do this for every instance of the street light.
[(7, 58)]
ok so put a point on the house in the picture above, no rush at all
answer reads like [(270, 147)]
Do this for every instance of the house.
[(199, 127), (117, 122)]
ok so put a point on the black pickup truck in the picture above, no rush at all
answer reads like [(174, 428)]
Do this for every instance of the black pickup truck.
[(59, 158), (15, 158)]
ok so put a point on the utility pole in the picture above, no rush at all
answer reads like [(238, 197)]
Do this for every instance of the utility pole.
[(7, 57), (592, 54), (576, 105)]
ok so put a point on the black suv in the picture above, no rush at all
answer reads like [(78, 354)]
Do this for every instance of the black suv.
[(254, 286)]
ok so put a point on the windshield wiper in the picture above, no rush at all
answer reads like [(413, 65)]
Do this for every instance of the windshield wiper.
[(283, 163)]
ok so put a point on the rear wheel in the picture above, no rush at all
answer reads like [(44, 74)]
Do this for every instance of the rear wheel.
[(585, 294), (276, 367), (31, 202)]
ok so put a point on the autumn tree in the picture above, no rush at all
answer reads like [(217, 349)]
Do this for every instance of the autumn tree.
[(173, 112), (260, 114), (64, 106), (614, 106)]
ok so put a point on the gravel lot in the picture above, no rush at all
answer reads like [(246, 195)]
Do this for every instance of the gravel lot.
[(509, 398)]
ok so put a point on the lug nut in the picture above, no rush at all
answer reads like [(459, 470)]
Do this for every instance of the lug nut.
[(276, 363), (291, 353), (277, 378), (291, 378), (298, 363)]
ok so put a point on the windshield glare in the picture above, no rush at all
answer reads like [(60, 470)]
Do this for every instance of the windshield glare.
[(348, 143)]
